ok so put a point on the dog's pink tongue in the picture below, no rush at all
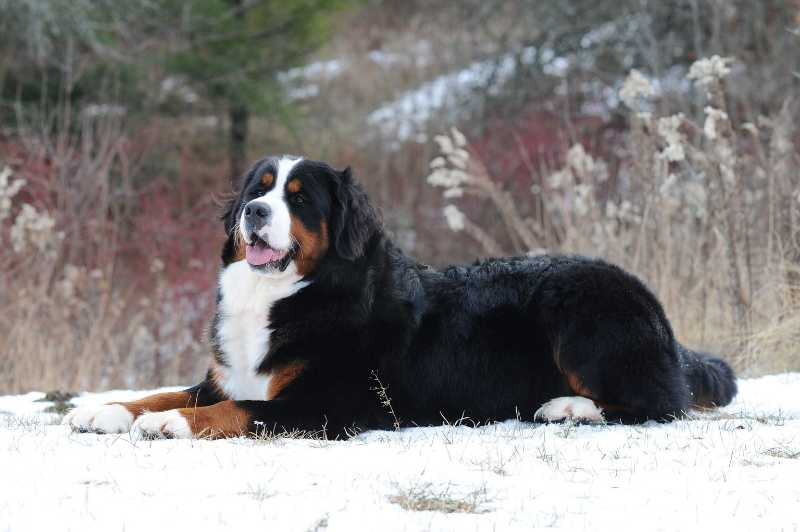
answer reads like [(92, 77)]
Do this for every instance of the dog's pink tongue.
[(259, 254)]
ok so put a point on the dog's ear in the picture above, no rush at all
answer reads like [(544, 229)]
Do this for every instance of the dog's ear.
[(229, 215), (353, 220), (232, 249)]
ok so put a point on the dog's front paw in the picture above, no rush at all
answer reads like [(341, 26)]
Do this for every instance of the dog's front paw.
[(103, 419), (155, 425)]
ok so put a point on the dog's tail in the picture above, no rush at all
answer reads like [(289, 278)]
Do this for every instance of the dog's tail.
[(711, 380)]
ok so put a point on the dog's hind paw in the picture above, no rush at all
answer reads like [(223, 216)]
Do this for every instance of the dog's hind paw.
[(569, 408)]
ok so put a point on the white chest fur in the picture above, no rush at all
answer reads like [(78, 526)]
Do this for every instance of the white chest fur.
[(243, 331)]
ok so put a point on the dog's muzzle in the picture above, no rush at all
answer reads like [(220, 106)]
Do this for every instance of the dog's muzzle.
[(257, 214)]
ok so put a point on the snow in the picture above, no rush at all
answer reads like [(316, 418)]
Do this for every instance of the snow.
[(734, 469), (303, 82), (406, 117)]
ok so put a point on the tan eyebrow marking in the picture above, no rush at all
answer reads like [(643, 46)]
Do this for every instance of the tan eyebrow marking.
[(294, 185), (267, 179)]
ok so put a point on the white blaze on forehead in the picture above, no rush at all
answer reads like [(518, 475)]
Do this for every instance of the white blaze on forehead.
[(285, 165), (277, 232)]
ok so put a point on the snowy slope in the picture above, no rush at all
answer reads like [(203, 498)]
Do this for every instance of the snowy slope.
[(738, 469)]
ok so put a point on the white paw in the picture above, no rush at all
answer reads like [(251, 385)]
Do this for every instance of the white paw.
[(103, 419), (154, 425), (574, 408)]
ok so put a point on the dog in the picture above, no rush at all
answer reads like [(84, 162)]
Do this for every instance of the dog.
[(324, 327)]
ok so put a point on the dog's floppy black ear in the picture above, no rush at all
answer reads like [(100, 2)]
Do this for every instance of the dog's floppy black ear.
[(231, 214), (230, 217), (353, 220), (230, 249)]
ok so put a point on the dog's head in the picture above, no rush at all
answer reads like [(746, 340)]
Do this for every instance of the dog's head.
[(293, 210)]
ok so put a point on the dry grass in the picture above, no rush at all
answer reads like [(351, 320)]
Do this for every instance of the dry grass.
[(259, 493), (705, 212), (426, 498), (782, 452), (84, 305)]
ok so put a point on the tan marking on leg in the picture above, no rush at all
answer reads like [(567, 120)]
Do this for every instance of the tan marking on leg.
[(267, 179), (222, 420), (577, 386), (312, 245), (294, 185), (557, 354), (283, 377), (158, 402)]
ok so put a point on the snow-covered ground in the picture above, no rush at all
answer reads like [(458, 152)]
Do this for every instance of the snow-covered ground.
[(735, 469)]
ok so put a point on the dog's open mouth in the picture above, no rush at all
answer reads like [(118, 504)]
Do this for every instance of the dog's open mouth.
[(259, 254)]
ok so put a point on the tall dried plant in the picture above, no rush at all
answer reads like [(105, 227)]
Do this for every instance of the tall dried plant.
[(74, 315)]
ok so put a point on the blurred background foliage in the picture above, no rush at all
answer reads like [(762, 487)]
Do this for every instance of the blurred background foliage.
[(159, 57), (127, 124)]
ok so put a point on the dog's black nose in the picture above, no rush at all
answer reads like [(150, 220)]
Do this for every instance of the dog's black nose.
[(256, 215)]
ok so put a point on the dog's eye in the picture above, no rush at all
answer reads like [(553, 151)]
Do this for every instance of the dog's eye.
[(297, 199)]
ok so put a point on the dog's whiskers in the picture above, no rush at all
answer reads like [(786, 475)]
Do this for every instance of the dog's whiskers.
[(299, 246)]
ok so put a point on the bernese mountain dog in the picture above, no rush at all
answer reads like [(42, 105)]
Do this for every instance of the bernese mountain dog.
[(324, 327)]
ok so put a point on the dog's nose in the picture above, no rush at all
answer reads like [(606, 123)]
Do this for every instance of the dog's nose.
[(256, 215)]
